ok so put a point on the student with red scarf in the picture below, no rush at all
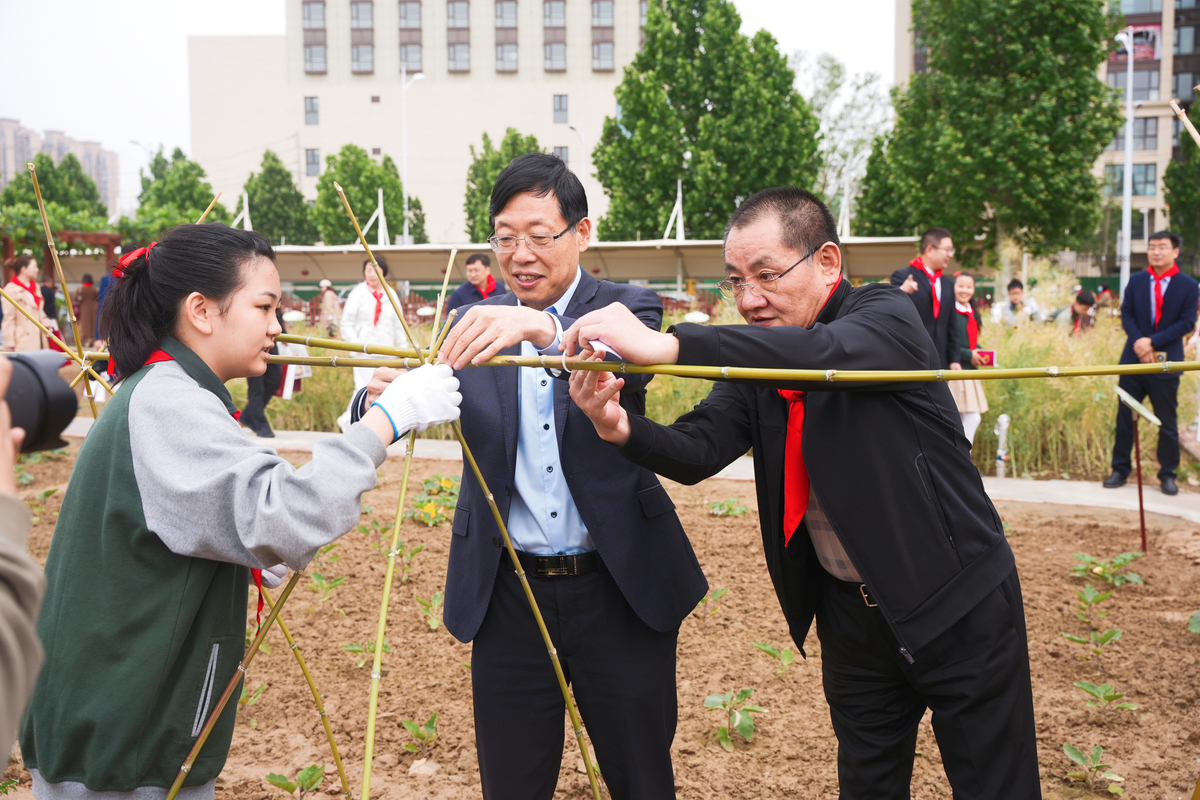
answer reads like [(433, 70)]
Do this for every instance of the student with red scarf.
[(933, 293), (480, 283), (968, 395), (16, 331)]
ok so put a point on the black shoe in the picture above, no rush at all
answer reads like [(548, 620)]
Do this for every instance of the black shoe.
[(1114, 481), (1168, 486), (265, 432)]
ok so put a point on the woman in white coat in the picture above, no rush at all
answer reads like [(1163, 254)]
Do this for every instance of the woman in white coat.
[(368, 318)]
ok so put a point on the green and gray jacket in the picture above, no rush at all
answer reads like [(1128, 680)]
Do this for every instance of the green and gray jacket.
[(169, 506)]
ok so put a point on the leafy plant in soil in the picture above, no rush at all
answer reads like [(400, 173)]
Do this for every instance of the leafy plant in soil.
[(1096, 641), (37, 507), (1108, 569), (425, 735), (324, 587), (1093, 769), (729, 507), (783, 656), (307, 780), (1103, 696), (324, 553), (431, 610), (9, 785), (404, 557), (1089, 599), (1194, 623), (365, 651), (375, 535), (436, 501), (708, 604), (738, 715), (248, 699)]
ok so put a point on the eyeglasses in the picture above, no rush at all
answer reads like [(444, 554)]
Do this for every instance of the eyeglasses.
[(534, 241), (949, 250), (764, 283)]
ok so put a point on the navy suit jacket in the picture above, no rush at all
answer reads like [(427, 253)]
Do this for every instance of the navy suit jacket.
[(467, 294), (944, 328), (628, 513), (1178, 317)]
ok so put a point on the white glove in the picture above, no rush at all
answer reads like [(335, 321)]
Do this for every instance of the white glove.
[(273, 577), (421, 398)]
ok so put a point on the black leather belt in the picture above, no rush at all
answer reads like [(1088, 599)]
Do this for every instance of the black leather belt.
[(856, 589), (555, 566)]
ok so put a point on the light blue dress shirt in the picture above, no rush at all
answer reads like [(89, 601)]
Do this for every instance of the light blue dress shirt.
[(543, 519)]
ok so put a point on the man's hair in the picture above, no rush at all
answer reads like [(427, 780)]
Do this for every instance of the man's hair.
[(540, 174), (1176, 242), (933, 238), (381, 261), (1015, 283), (480, 257), (804, 222), (1085, 298)]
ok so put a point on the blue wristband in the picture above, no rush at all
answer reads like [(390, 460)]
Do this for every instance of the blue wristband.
[(395, 431)]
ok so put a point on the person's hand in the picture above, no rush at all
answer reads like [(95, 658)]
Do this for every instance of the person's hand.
[(10, 437), (955, 366), (380, 380), (909, 286), (598, 394), (976, 359), (1144, 349), (486, 330), (273, 577), (619, 329), (417, 400)]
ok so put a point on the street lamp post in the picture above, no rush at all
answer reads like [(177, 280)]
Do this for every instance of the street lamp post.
[(405, 82), (582, 156), (1124, 249)]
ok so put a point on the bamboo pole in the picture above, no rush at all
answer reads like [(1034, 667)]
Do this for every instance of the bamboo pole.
[(437, 345), (441, 301), (210, 208), (66, 350), (83, 372), (337, 758), (229, 689), (350, 347), (1187, 123)]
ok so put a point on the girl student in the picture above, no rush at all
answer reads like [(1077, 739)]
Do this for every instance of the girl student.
[(16, 331), (170, 508)]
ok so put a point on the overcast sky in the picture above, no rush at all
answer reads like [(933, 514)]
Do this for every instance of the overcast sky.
[(116, 72)]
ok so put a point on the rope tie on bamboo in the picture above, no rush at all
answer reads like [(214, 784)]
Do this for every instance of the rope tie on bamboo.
[(623, 365), (393, 553), (185, 768), (242, 668), (565, 367), (295, 645), (1165, 366), (365, 346), (939, 376), (829, 373), (376, 676), (1053, 372), (333, 361), (725, 372)]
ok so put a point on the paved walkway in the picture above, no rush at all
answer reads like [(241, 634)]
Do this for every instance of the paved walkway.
[(1185, 505)]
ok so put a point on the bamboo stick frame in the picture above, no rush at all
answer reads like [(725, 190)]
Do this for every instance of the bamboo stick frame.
[(210, 207), (66, 350)]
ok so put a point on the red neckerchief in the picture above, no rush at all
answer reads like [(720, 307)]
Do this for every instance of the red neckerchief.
[(796, 486), (1158, 297), (86, 283), (488, 287), (32, 288), (972, 326), (162, 355), (378, 303), (933, 279)]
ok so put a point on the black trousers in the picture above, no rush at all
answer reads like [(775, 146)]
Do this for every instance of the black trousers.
[(259, 391), (622, 673), (975, 677), (1164, 397)]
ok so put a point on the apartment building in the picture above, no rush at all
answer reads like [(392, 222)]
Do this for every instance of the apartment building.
[(1166, 64), (544, 67), (19, 144)]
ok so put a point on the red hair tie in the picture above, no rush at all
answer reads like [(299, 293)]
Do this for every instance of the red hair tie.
[(129, 258)]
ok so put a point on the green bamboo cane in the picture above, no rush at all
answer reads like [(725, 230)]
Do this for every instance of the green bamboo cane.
[(229, 689), (50, 335), (210, 207), (337, 758), (441, 301)]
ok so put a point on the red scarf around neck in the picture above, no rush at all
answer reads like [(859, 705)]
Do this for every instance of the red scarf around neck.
[(972, 326), (1158, 290), (488, 287), (378, 304), (933, 283), (32, 288)]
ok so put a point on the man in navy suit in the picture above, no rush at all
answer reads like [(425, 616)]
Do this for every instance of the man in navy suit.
[(605, 553), (1157, 310), (933, 293)]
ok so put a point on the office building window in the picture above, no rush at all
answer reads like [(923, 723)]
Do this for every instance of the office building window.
[(314, 58), (556, 57), (1185, 3), (645, 9), (1145, 83), (506, 58), (554, 14), (458, 14), (460, 58), (506, 14), (362, 15), (1145, 135), (410, 15), (563, 154), (311, 111), (1185, 41), (1184, 88), (602, 56), (560, 109), (410, 57), (312, 162), (362, 58), (314, 16), (376, 151), (314, 37), (602, 13), (1144, 176), (1141, 6)]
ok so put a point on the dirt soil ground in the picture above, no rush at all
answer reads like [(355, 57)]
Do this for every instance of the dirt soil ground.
[(793, 753)]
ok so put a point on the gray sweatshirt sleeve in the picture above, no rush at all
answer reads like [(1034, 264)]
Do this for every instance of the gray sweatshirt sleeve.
[(208, 492), (21, 589)]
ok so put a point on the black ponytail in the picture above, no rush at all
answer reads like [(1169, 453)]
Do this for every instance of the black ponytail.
[(143, 306)]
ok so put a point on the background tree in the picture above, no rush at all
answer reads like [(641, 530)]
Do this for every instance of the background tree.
[(878, 210), (481, 177), (705, 104), (65, 184), (1181, 190), (999, 137), (277, 209), (174, 193), (360, 176)]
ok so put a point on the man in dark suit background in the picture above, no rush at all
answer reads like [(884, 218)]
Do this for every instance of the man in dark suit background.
[(915, 591), (605, 553), (480, 283), (1157, 311), (933, 293)]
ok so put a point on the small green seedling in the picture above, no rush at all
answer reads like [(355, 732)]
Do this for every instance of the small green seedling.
[(708, 604), (1093, 768), (738, 713), (431, 610), (375, 535), (1108, 570), (405, 557), (366, 652), (263, 647), (38, 506), (323, 586), (23, 477), (9, 785), (1194, 623), (437, 500), (307, 780), (729, 507), (425, 734), (1089, 598), (1104, 695), (248, 699), (1096, 641), (784, 656), (324, 553)]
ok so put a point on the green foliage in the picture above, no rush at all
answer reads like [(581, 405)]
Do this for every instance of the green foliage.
[(307, 780), (738, 714), (22, 222), (700, 88), (375, 535), (1181, 188), (324, 553), (248, 699), (65, 185), (729, 507), (324, 587), (878, 210), (708, 604), (1103, 695), (1108, 570), (365, 652), (486, 165), (1089, 598), (1092, 768), (361, 178), (998, 138), (174, 193), (431, 610), (1194, 623), (1096, 641), (9, 785), (37, 506), (783, 656), (425, 735), (436, 502), (277, 209)]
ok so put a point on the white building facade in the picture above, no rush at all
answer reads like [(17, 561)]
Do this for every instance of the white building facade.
[(18, 146), (544, 67)]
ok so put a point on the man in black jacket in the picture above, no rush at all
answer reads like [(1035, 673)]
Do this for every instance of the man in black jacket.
[(933, 293), (877, 524)]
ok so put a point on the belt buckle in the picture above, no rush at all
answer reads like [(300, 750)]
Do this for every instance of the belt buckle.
[(555, 567), (862, 589)]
